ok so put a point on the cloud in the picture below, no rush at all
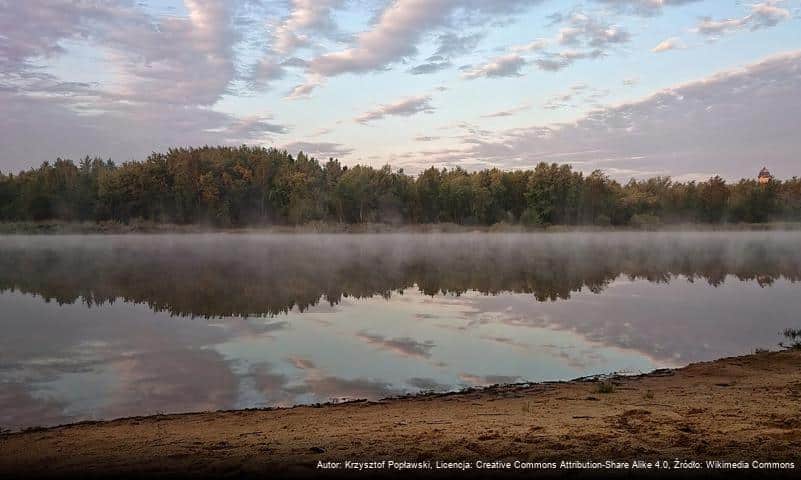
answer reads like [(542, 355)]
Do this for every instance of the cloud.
[(157, 365), (305, 16), (41, 84), (20, 407), (178, 386), (321, 132), (319, 150), (394, 36), (407, 347), (508, 342), (171, 59), (550, 64), (503, 66), (35, 128), (266, 70), (643, 7), (272, 385), (431, 67), (556, 62), (508, 65), (762, 15), (452, 44), (306, 22), (161, 76), (403, 108), (708, 26), (304, 90), (585, 30), (164, 72), (400, 27), (181, 60), (730, 122), (583, 35), (249, 128), (301, 363), (295, 62), (508, 112), (279, 388), (36, 28), (672, 43), (577, 94), (767, 14), (533, 46)]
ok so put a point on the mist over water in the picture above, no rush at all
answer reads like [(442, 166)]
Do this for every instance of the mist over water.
[(109, 326), (241, 275)]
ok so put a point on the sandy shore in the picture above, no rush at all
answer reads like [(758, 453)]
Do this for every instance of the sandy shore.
[(745, 408)]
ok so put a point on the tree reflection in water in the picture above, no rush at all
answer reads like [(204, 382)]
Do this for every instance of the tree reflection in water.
[(253, 274)]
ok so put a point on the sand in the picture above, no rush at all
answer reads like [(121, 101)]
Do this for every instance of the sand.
[(744, 408)]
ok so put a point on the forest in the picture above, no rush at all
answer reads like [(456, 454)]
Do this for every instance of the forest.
[(254, 186)]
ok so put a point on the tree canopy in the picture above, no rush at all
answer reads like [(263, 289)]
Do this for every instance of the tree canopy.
[(241, 186)]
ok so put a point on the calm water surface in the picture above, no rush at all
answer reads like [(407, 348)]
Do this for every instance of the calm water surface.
[(97, 327)]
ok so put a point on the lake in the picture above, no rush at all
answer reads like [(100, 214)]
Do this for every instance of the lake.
[(99, 327)]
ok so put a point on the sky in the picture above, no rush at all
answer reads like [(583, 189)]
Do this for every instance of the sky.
[(636, 88)]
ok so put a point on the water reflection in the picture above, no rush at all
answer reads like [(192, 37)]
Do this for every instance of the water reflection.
[(241, 275), (299, 319)]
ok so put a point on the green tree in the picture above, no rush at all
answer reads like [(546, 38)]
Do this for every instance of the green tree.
[(713, 197)]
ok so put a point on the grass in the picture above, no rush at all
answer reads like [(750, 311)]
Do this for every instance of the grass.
[(649, 395)]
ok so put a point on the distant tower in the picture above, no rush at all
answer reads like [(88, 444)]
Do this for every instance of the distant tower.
[(764, 176)]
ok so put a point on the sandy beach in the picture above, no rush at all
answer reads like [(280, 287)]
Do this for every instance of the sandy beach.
[(734, 409)]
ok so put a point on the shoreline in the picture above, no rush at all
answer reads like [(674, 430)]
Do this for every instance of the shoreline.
[(115, 228), (727, 409)]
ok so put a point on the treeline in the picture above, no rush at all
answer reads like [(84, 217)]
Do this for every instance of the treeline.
[(257, 186)]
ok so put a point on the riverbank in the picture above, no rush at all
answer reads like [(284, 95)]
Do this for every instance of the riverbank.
[(737, 409), (116, 228)]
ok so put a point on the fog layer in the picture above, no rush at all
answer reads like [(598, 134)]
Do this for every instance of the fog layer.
[(240, 275)]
